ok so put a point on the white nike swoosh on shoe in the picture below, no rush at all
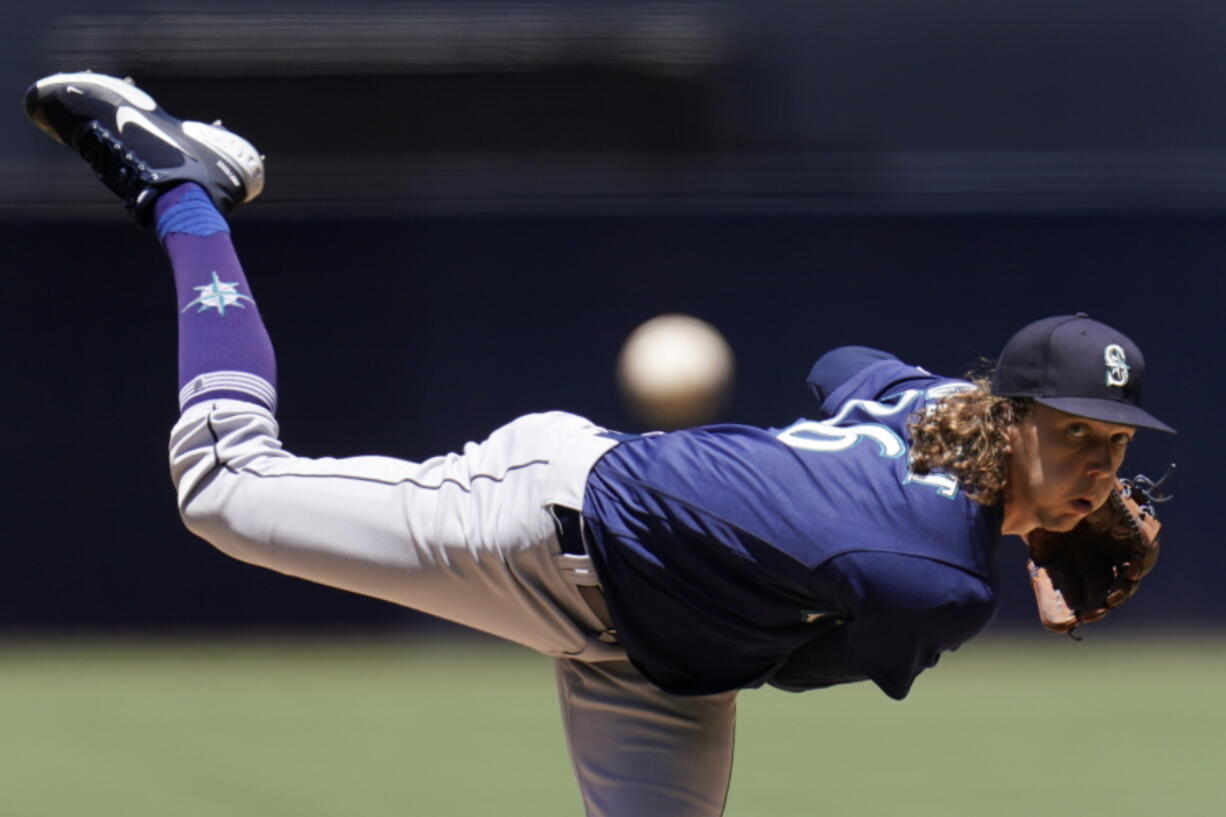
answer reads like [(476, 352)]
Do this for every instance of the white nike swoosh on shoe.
[(127, 115), (126, 91)]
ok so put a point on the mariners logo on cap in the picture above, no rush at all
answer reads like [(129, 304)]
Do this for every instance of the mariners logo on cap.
[(1117, 365)]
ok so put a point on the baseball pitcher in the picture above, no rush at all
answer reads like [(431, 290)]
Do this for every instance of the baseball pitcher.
[(663, 572)]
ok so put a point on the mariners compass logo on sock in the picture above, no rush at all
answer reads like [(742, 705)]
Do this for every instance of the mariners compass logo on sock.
[(218, 295)]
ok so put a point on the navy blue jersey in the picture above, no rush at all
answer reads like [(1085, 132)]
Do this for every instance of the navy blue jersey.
[(733, 556)]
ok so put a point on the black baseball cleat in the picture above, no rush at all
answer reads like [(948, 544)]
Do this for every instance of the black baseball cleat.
[(136, 148)]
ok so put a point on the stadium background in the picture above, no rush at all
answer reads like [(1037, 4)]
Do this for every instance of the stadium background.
[(471, 204)]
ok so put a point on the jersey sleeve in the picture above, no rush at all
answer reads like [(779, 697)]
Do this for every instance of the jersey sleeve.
[(837, 366), (821, 662), (901, 612), (876, 380)]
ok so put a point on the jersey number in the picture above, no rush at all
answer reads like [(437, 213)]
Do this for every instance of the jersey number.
[(827, 436)]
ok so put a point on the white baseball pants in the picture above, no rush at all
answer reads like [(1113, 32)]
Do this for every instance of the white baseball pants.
[(468, 537)]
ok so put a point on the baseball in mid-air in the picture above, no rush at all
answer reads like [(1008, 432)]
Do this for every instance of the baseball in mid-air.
[(675, 371)]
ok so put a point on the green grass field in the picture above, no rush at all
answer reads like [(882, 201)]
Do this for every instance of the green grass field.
[(1008, 726)]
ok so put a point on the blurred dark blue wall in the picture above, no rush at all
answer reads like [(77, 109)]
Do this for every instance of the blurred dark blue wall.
[(408, 338), (454, 234)]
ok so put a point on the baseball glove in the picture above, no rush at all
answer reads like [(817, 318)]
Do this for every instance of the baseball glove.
[(1080, 575)]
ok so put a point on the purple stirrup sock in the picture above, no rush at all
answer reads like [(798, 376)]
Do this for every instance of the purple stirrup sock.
[(224, 350)]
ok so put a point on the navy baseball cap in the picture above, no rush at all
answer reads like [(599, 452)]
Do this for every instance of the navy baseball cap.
[(1078, 366)]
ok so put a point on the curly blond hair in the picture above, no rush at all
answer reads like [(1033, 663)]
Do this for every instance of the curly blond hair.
[(966, 435)]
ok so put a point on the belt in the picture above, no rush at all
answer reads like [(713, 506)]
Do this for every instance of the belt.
[(570, 530), (570, 538)]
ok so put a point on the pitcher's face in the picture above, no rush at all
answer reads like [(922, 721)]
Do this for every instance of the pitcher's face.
[(1061, 468)]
